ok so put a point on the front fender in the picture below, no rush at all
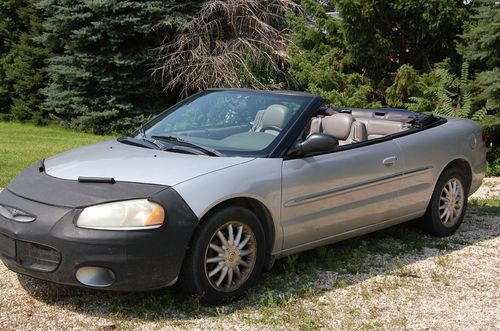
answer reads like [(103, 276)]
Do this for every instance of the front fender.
[(259, 179)]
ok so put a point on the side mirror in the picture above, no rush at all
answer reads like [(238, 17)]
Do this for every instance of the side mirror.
[(317, 143)]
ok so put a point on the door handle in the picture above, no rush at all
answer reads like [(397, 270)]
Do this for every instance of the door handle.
[(389, 161)]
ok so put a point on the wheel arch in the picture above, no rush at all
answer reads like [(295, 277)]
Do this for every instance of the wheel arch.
[(460, 163), (433, 226), (258, 208)]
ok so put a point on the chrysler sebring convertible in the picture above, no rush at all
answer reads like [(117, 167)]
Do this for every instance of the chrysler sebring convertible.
[(214, 189)]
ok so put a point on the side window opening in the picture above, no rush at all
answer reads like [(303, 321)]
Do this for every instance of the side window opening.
[(351, 125)]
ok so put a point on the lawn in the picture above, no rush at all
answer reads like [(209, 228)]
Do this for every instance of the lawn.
[(23, 144)]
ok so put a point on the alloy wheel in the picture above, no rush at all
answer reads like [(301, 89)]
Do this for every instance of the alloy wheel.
[(230, 256), (451, 202)]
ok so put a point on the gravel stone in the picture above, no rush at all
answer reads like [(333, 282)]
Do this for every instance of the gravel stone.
[(489, 189)]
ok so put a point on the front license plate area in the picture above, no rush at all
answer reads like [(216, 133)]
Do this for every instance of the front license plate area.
[(7, 246)]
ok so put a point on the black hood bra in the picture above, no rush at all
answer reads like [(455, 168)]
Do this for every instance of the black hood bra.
[(34, 184)]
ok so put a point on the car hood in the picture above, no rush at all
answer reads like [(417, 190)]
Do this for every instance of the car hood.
[(127, 163)]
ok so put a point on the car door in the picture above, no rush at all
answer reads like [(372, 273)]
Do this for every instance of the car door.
[(328, 194), (420, 171)]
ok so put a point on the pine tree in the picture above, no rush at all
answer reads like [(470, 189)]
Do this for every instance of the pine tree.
[(14, 21), (481, 48), (382, 35), (100, 56), (24, 68), (316, 58)]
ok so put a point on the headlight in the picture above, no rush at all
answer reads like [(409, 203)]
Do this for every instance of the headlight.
[(122, 215)]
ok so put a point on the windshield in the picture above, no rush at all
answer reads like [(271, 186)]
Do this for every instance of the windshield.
[(232, 122)]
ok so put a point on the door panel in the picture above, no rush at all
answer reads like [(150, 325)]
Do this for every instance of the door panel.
[(420, 171), (329, 194)]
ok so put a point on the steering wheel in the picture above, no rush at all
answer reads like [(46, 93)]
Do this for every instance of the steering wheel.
[(270, 127)]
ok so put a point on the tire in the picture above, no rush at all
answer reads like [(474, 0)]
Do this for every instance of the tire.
[(446, 210), (212, 270)]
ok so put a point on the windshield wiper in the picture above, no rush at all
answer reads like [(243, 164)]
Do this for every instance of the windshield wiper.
[(204, 149), (141, 142)]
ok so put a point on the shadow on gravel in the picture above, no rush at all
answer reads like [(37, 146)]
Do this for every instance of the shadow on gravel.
[(304, 275)]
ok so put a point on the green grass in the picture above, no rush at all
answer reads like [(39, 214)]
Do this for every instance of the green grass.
[(485, 206), (23, 144)]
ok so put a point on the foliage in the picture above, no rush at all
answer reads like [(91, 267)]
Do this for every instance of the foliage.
[(480, 46), (407, 84), (13, 22), (443, 93), (15, 17), (382, 35), (350, 60), (438, 91), (100, 52), (485, 88), (239, 43), (481, 43), (89, 64), (23, 68), (493, 162), (316, 58)]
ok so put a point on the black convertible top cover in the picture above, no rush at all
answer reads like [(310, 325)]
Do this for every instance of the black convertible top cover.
[(34, 184)]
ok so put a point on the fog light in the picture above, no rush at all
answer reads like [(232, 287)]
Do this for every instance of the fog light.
[(95, 276)]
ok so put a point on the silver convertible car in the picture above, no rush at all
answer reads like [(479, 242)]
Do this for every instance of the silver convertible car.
[(211, 191)]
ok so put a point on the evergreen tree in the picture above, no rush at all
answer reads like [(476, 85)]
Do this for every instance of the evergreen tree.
[(100, 53), (14, 21), (481, 48), (316, 58), (24, 69), (382, 35)]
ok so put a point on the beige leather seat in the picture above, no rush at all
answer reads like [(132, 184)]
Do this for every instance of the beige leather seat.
[(358, 133), (338, 125), (341, 126), (273, 116), (378, 128), (315, 125)]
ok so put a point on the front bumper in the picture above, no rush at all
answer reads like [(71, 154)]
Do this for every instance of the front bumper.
[(54, 249)]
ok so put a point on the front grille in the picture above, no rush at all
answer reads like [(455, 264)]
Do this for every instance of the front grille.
[(37, 257)]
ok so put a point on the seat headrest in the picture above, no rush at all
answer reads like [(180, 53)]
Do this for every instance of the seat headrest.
[(338, 125), (276, 115)]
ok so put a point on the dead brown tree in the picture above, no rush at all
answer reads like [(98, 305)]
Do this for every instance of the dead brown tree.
[(224, 44)]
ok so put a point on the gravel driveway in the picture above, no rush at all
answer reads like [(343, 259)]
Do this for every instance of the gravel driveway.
[(397, 278)]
